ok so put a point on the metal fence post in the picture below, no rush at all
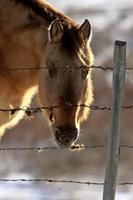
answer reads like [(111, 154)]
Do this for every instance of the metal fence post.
[(114, 137)]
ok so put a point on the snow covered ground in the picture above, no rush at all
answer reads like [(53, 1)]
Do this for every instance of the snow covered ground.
[(27, 191)]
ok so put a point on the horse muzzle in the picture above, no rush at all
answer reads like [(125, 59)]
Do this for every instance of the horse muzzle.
[(66, 136)]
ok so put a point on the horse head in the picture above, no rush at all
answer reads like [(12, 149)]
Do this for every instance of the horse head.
[(66, 82)]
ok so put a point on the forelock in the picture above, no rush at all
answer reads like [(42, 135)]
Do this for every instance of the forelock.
[(71, 41)]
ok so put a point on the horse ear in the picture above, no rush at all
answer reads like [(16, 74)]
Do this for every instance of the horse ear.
[(85, 31), (55, 31)]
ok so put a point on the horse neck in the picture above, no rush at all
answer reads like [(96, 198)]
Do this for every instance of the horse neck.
[(18, 81)]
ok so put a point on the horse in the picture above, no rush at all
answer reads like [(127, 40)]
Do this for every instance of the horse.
[(35, 35)]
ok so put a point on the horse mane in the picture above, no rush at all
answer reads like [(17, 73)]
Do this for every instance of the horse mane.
[(45, 10), (71, 41)]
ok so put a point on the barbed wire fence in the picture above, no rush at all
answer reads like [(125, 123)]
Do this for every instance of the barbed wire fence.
[(109, 187)]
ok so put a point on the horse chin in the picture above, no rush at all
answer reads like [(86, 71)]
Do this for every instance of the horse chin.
[(64, 146)]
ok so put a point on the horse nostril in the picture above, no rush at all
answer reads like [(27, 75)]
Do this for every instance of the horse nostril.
[(58, 134), (75, 131)]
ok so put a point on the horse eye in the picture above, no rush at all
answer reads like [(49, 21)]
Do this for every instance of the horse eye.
[(52, 71), (84, 72)]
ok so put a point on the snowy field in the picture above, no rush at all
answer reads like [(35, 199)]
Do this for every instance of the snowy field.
[(26, 191)]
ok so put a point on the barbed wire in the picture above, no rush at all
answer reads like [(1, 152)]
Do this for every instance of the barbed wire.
[(62, 181), (33, 110), (108, 68), (104, 68), (52, 181), (77, 147)]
